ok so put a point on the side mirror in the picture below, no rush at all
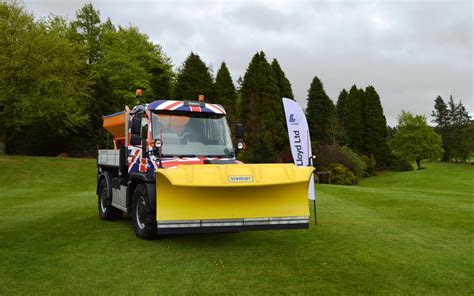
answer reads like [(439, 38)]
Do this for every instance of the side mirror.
[(239, 130), (135, 127), (239, 133)]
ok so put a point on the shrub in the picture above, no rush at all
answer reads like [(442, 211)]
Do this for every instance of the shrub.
[(342, 175), (329, 154), (399, 164), (370, 164), (356, 164)]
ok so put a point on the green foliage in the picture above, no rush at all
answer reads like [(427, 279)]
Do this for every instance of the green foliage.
[(415, 140), (61, 77), (87, 29), (262, 111), (341, 100), (194, 79), (358, 166), (284, 84), (453, 124), (320, 113), (370, 164), (352, 121), (399, 164), (44, 80), (224, 92), (375, 128), (342, 175)]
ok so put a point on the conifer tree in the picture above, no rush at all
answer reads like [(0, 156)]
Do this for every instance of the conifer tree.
[(224, 92), (441, 117), (375, 128), (353, 122), (341, 99), (284, 84), (262, 111), (320, 113), (194, 79)]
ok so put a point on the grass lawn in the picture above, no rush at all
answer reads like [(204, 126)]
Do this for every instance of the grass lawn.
[(398, 233)]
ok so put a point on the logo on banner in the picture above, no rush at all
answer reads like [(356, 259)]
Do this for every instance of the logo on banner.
[(294, 119)]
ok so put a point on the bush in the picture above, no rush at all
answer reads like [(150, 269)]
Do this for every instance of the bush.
[(398, 164), (370, 164), (329, 154), (342, 175), (356, 164)]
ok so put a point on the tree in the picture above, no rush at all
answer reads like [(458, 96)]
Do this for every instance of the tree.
[(87, 29), (375, 128), (224, 92), (320, 112), (415, 140), (441, 117), (352, 120), (43, 80), (341, 99), (262, 111), (284, 84), (453, 123), (459, 131), (194, 79)]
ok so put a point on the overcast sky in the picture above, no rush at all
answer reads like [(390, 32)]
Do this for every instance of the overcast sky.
[(410, 51)]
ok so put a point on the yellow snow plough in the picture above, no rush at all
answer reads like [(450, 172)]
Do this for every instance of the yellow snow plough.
[(173, 168)]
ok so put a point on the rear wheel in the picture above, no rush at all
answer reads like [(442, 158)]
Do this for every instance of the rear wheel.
[(106, 210), (143, 215)]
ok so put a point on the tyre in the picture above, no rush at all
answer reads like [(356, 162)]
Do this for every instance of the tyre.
[(106, 210), (143, 215)]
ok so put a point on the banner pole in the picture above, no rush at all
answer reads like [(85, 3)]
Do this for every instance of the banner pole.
[(311, 162)]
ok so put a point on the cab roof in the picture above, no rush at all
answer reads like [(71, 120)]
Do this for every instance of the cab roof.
[(188, 106)]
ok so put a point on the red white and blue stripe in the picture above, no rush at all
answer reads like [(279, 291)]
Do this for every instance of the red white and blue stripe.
[(171, 105)]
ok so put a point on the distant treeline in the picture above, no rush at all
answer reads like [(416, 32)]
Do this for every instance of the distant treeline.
[(60, 76)]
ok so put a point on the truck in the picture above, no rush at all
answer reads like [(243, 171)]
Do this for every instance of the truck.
[(173, 168)]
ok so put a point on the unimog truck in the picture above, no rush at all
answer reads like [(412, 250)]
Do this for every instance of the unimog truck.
[(174, 169)]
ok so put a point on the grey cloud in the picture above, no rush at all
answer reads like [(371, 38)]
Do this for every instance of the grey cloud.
[(410, 51)]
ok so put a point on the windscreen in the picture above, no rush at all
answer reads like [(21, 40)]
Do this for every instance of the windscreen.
[(193, 134)]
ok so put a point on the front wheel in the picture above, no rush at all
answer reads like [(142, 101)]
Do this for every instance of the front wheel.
[(143, 215)]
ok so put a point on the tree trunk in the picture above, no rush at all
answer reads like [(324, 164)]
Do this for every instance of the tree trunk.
[(3, 139), (418, 163)]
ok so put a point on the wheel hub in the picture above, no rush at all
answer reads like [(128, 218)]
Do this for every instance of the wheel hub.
[(141, 212)]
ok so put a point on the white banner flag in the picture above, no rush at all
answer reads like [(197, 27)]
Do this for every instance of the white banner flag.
[(298, 133)]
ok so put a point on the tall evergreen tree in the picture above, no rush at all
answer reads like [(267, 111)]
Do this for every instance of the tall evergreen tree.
[(261, 111), (320, 112), (375, 128), (460, 134), (224, 92), (194, 79), (341, 99), (353, 121), (441, 116), (284, 84)]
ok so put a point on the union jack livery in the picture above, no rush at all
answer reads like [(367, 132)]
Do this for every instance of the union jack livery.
[(174, 168)]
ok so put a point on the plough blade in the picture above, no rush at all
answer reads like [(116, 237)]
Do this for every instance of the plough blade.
[(210, 198)]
